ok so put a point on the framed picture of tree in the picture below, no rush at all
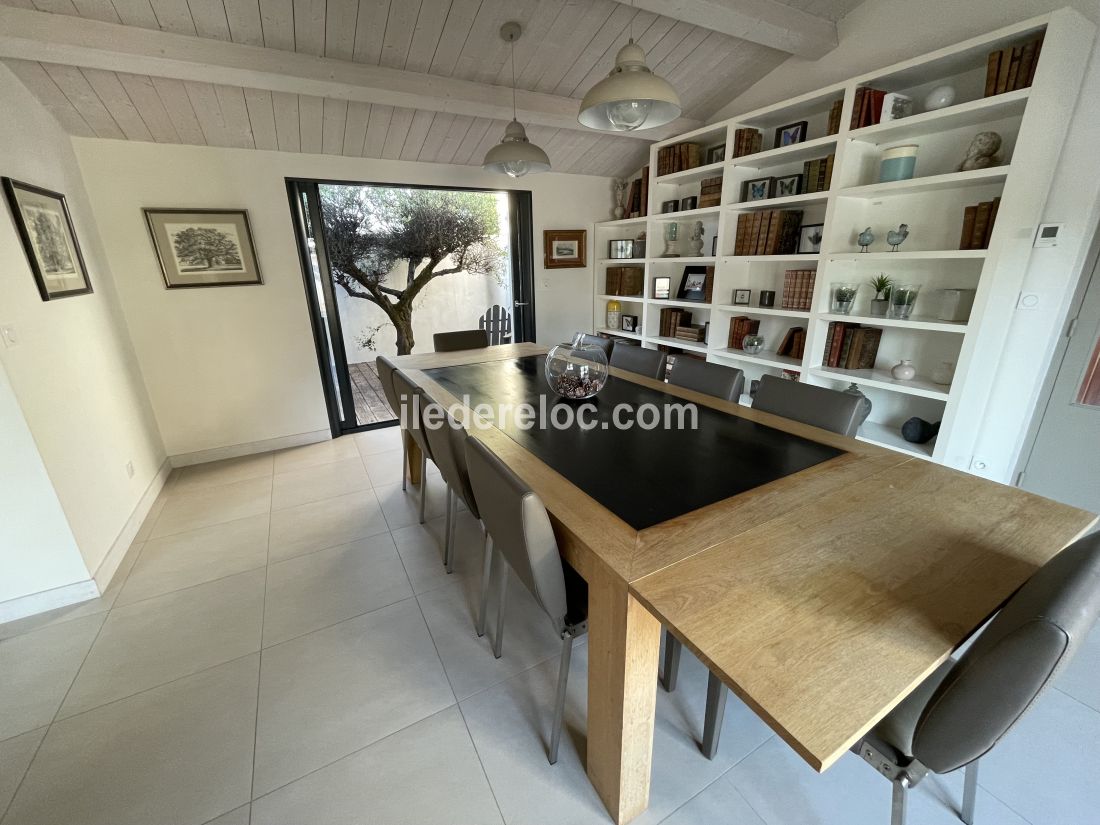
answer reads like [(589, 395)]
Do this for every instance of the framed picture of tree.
[(204, 247), (46, 230)]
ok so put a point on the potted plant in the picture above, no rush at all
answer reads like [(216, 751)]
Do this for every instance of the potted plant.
[(844, 295), (881, 284), (902, 299)]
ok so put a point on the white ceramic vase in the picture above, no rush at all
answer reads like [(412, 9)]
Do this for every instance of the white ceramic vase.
[(904, 370)]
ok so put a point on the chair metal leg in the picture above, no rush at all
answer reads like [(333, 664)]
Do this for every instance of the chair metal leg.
[(448, 530), (672, 661), (423, 484), (486, 574), (452, 529), (970, 793), (898, 804), (498, 642), (716, 712), (404, 463), (559, 700)]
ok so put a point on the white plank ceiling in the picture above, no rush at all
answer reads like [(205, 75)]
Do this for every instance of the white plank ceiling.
[(567, 45)]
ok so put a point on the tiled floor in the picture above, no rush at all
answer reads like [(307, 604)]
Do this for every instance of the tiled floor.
[(283, 645)]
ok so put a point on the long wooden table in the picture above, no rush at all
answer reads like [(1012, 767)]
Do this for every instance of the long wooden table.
[(821, 598)]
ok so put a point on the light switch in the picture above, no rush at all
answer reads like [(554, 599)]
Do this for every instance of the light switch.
[(8, 334)]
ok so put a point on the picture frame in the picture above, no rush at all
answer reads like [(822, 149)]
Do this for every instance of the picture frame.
[(662, 287), (690, 202), (714, 246), (790, 134), (45, 229), (203, 247), (621, 249), (630, 323), (756, 189), (716, 154), (564, 248), (697, 284), (809, 238), (785, 186), (670, 206), (742, 297)]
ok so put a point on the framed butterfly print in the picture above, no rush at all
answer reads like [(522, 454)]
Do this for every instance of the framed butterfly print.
[(757, 190), (786, 186)]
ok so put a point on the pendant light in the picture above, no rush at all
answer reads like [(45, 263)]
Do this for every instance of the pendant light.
[(515, 155), (630, 97)]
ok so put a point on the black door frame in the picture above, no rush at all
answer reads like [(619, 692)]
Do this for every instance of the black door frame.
[(338, 399)]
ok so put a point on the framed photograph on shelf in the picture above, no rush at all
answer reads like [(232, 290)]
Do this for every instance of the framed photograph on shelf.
[(670, 206), (690, 202), (787, 185), (662, 287), (716, 154), (809, 238), (203, 247), (790, 134), (564, 248), (697, 284), (758, 189), (630, 323), (742, 297), (49, 240)]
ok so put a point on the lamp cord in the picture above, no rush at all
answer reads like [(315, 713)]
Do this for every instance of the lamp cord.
[(512, 42)]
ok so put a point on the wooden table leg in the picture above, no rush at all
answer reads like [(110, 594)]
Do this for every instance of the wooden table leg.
[(412, 450), (624, 641)]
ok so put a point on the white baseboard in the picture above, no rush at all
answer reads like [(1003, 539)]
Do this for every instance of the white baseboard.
[(34, 603), (249, 448), (107, 568)]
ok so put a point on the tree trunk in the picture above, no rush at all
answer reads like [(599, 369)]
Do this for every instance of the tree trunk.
[(401, 315)]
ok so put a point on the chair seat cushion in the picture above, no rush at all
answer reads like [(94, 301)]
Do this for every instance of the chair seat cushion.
[(899, 725)]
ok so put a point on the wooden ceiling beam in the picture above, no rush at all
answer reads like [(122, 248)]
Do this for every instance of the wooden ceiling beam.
[(74, 41)]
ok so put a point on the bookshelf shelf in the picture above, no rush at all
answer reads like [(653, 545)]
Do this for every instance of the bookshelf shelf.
[(623, 222), (804, 258), (697, 173), (806, 199), (807, 150), (704, 259), (744, 310), (971, 113), (621, 261), (916, 322), (883, 380), (672, 302), (665, 217), (634, 299), (767, 359), (934, 255), (886, 436), (676, 342), (620, 333), (932, 183)]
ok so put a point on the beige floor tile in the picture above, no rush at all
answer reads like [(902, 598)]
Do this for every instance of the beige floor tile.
[(146, 528), (216, 473), (421, 549), (36, 670), (202, 507), (15, 757), (197, 556), (309, 592), (181, 753), (332, 692), (317, 482), (384, 469), (402, 507), (384, 439), (158, 640), (309, 455), (326, 523)]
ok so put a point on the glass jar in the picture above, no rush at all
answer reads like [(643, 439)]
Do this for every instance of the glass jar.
[(902, 300), (614, 314), (752, 343), (842, 298), (576, 371)]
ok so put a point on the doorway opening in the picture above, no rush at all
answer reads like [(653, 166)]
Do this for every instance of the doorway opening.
[(386, 266)]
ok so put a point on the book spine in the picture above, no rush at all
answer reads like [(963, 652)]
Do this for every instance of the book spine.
[(838, 340), (994, 207), (857, 106), (1002, 70), (981, 223), (992, 66), (1014, 69), (970, 214), (829, 335)]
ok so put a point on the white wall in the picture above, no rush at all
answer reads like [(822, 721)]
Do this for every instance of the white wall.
[(72, 372), (236, 365), (881, 32)]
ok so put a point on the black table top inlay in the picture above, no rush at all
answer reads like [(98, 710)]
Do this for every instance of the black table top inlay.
[(643, 476)]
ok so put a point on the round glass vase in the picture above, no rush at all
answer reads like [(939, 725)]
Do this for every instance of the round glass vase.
[(752, 344), (576, 371), (902, 300), (842, 298)]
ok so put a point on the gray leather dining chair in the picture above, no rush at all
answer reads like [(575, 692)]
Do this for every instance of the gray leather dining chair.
[(606, 344), (716, 380), (448, 443), (960, 712), (411, 403), (386, 368), (460, 339), (817, 406), (523, 539), (647, 362)]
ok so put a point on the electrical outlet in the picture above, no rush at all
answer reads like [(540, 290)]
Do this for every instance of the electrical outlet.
[(7, 333), (129, 469)]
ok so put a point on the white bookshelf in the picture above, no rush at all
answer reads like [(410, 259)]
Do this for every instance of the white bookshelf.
[(1033, 124)]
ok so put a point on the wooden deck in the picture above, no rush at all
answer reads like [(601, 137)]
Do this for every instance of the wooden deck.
[(370, 401)]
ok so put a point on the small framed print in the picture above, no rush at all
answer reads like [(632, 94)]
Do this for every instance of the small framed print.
[(203, 247), (49, 240), (756, 190), (742, 297), (714, 247), (630, 323), (670, 206), (786, 186), (716, 154), (697, 284), (564, 248), (809, 238), (662, 287), (690, 202), (790, 134)]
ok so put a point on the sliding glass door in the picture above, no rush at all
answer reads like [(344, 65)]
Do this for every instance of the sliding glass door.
[(388, 266)]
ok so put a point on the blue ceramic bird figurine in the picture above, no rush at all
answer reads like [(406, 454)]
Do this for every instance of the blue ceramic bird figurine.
[(895, 236), (866, 238)]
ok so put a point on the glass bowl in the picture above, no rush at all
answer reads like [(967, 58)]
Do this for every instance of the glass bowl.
[(577, 370)]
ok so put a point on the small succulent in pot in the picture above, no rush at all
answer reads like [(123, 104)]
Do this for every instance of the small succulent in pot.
[(881, 284), (844, 296)]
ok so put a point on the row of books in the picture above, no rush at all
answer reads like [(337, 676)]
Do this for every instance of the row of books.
[(835, 112), (867, 107), (851, 346), (637, 199), (677, 158), (747, 142), (793, 344), (672, 318), (624, 280), (817, 175), (740, 326), (710, 192), (978, 224), (768, 232), (693, 333), (798, 288), (1013, 68)]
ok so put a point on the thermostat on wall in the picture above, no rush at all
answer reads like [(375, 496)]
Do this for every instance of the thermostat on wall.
[(1048, 234)]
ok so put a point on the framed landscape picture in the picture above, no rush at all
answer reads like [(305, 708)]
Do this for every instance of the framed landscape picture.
[(204, 247), (564, 248), (46, 231)]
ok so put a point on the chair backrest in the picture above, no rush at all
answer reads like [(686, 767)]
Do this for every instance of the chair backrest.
[(386, 369), (410, 401), (647, 362), (460, 339), (498, 323), (606, 344), (816, 406), (517, 521), (448, 444), (711, 379), (1016, 657)]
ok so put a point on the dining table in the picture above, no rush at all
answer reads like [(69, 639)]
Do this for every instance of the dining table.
[(820, 577)]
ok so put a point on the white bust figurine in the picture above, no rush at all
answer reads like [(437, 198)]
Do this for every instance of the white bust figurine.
[(696, 239)]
